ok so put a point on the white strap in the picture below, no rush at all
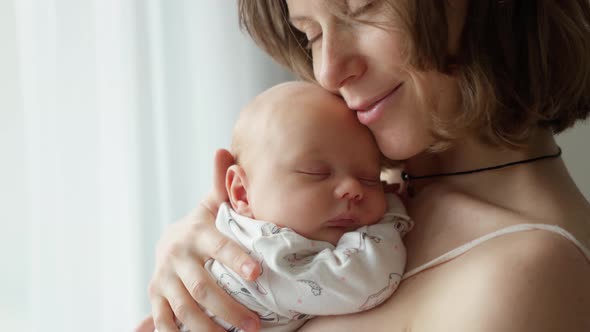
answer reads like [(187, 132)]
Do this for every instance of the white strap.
[(511, 229)]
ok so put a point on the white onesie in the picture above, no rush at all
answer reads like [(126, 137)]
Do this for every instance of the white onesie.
[(302, 278)]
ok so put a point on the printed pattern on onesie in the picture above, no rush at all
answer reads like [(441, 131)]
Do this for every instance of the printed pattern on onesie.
[(303, 278)]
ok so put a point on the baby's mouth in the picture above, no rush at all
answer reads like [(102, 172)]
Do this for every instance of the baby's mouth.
[(342, 223)]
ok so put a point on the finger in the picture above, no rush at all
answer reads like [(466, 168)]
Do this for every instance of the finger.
[(205, 291), (226, 251), (146, 325), (163, 315), (187, 311)]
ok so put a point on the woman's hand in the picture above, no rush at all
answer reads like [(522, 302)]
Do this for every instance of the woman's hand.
[(180, 280)]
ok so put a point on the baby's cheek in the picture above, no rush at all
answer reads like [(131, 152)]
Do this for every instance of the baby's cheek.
[(298, 222), (305, 229), (379, 199), (379, 207)]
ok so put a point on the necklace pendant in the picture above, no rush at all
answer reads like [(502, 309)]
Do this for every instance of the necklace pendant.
[(405, 177), (407, 187)]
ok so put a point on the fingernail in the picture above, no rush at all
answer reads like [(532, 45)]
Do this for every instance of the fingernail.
[(247, 269), (249, 325)]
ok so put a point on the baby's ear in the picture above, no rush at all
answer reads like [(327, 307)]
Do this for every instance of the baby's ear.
[(236, 184)]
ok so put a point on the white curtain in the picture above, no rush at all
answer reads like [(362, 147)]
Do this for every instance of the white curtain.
[(110, 112)]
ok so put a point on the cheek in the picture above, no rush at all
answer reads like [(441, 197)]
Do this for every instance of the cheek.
[(267, 197), (305, 213), (451, 98), (378, 204), (300, 206), (436, 94), (409, 128), (405, 133), (309, 201)]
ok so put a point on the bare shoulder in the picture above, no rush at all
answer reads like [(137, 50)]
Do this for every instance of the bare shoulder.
[(525, 281)]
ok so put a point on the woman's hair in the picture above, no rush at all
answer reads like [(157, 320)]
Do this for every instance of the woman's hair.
[(520, 64)]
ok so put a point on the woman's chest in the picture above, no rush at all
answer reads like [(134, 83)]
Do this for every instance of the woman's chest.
[(396, 314), (438, 228), (388, 317)]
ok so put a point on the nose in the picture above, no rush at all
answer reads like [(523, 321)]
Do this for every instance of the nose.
[(338, 62), (349, 189)]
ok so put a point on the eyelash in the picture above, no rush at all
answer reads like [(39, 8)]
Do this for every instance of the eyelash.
[(358, 12), (362, 9), (368, 182), (313, 173)]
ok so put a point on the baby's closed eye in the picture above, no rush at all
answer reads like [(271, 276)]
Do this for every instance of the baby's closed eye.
[(314, 174)]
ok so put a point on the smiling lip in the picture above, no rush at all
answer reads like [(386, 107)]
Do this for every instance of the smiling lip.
[(370, 112), (368, 105)]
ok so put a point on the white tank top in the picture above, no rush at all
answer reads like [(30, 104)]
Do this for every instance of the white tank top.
[(511, 229)]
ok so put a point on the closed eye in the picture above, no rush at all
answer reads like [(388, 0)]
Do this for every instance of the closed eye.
[(362, 9), (314, 173), (314, 176), (311, 30)]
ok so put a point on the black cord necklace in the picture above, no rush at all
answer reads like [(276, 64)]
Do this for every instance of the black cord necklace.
[(408, 177)]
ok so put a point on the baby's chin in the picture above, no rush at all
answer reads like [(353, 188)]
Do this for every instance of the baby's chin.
[(330, 234)]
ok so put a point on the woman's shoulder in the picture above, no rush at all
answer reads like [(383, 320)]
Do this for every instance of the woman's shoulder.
[(524, 281), (534, 280), (520, 281)]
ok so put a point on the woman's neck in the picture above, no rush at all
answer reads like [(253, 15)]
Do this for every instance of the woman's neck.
[(540, 190), (537, 192), (471, 154)]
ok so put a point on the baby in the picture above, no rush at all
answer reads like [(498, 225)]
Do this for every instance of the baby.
[(306, 200)]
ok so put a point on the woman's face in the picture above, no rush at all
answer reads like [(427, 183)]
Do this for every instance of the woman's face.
[(365, 64)]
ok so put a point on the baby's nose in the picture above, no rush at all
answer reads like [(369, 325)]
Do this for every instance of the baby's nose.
[(350, 189)]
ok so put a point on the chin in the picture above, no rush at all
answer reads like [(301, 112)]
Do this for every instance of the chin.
[(334, 238), (402, 144), (400, 150)]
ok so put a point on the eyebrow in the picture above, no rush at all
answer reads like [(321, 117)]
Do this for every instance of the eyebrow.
[(303, 18)]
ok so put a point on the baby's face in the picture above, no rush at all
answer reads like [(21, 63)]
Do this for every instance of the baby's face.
[(318, 170)]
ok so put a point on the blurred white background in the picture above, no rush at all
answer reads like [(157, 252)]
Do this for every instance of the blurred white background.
[(110, 111)]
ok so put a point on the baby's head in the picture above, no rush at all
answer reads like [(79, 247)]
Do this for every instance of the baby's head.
[(303, 161)]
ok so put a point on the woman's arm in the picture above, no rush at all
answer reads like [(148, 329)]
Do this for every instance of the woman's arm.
[(180, 283)]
